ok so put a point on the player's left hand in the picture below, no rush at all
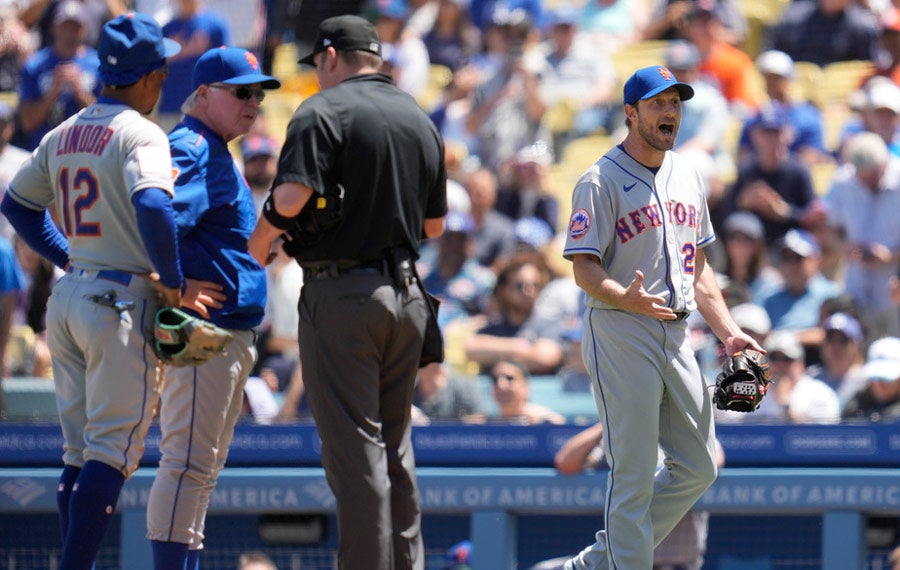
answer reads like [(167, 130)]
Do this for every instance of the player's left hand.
[(738, 342), (201, 295)]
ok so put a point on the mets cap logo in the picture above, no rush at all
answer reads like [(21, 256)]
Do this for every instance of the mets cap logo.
[(665, 73), (579, 223), (251, 59)]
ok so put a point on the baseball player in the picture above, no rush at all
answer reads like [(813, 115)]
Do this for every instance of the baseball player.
[(109, 172), (636, 235), (214, 214)]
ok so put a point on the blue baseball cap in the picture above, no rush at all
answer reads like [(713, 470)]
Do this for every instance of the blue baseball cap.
[(231, 66), (130, 46), (459, 222), (257, 145), (800, 242), (772, 117), (650, 81), (844, 323)]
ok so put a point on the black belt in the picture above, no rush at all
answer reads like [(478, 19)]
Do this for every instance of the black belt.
[(338, 268), (681, 315), (121, 277)]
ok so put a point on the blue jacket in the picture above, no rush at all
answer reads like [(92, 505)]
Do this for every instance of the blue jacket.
[(214, 214)]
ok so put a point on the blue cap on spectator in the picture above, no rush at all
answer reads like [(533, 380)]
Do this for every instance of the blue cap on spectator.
[(800, 242), (459, 554), (651, 81), (130, 46), (772, 118), (533, 231), (459, 222), (257, 145), (844, 323), (231, 66), (395, 9)]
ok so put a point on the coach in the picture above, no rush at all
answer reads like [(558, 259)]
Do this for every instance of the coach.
[(361, 177)]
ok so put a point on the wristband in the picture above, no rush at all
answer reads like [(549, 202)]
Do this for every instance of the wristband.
[(272, 215)]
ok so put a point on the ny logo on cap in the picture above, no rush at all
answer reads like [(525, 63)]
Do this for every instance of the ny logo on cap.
[(251, 59), (665, 73)]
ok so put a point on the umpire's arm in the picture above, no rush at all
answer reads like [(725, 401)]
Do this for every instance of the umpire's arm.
[(285, 203)]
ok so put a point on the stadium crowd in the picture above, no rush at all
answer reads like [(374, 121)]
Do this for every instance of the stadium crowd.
[(795, 127)]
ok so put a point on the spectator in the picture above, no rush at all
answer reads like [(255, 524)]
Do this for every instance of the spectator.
[(684, 548), (824, 31), (773, 184), (39, 277), (255, 561), (485, 12), (453, 39), (611, 24), (878, 112), (405, 54), (805, 119), (196, 30), (11, 159), (703, 119), (451, 113), (880, 399), (457, 279), (862, 207), (747, 269), (573, 375), (59, 80), (793, 396), (442, 396), (15, 48), (842, 356), (507, 109), (277, 341), (494, 235), (888, 62), (753, 320), (725, 65), (795, 306), (245, 21), (669, 19), (259, 155), (511, 392), (10, 286), (41, 14), (459, 556), (512, 332), (526, 191), (578, 78)]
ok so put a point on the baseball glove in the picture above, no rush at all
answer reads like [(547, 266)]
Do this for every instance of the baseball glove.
[(183, 340), (742, 384)]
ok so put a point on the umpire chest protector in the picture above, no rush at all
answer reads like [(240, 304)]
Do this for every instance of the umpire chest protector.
[(372, 158)]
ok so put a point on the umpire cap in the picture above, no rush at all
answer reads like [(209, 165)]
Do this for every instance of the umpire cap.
[(345, 33), (130, 46)]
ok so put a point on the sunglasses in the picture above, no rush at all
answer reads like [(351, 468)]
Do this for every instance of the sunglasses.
[(526, 286), (242, 92)]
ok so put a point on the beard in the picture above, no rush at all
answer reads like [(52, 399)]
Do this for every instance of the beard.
[(655, 136)]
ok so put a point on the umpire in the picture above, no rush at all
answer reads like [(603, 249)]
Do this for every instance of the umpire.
[(360, 181)]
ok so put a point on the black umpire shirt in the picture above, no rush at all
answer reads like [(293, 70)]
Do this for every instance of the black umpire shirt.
[(372, 139)]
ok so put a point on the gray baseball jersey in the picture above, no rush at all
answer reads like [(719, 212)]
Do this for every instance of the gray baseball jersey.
[(104, 370), (645, 378), (619, 206)]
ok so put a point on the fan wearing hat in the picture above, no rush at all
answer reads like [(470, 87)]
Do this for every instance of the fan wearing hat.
[(841, 354), (214, 214), (807, 141), (879, 400), (107, 171), (862, 216), (60, 79), (795, 305), (637, 235), (361, 181), (793, 395), (774, 184)]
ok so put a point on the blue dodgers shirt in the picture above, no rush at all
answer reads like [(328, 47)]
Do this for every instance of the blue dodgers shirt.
[(214, 214)]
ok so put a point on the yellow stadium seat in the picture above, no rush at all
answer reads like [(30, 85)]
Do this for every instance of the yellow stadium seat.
[(841, 78)]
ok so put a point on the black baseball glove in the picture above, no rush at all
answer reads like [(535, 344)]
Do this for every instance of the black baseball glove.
[(183, 340), (742, 384)]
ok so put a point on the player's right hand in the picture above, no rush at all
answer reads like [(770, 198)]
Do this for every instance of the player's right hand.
[(637, 300)]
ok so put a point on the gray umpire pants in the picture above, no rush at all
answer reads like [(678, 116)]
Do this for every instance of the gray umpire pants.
[(360, 342)]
